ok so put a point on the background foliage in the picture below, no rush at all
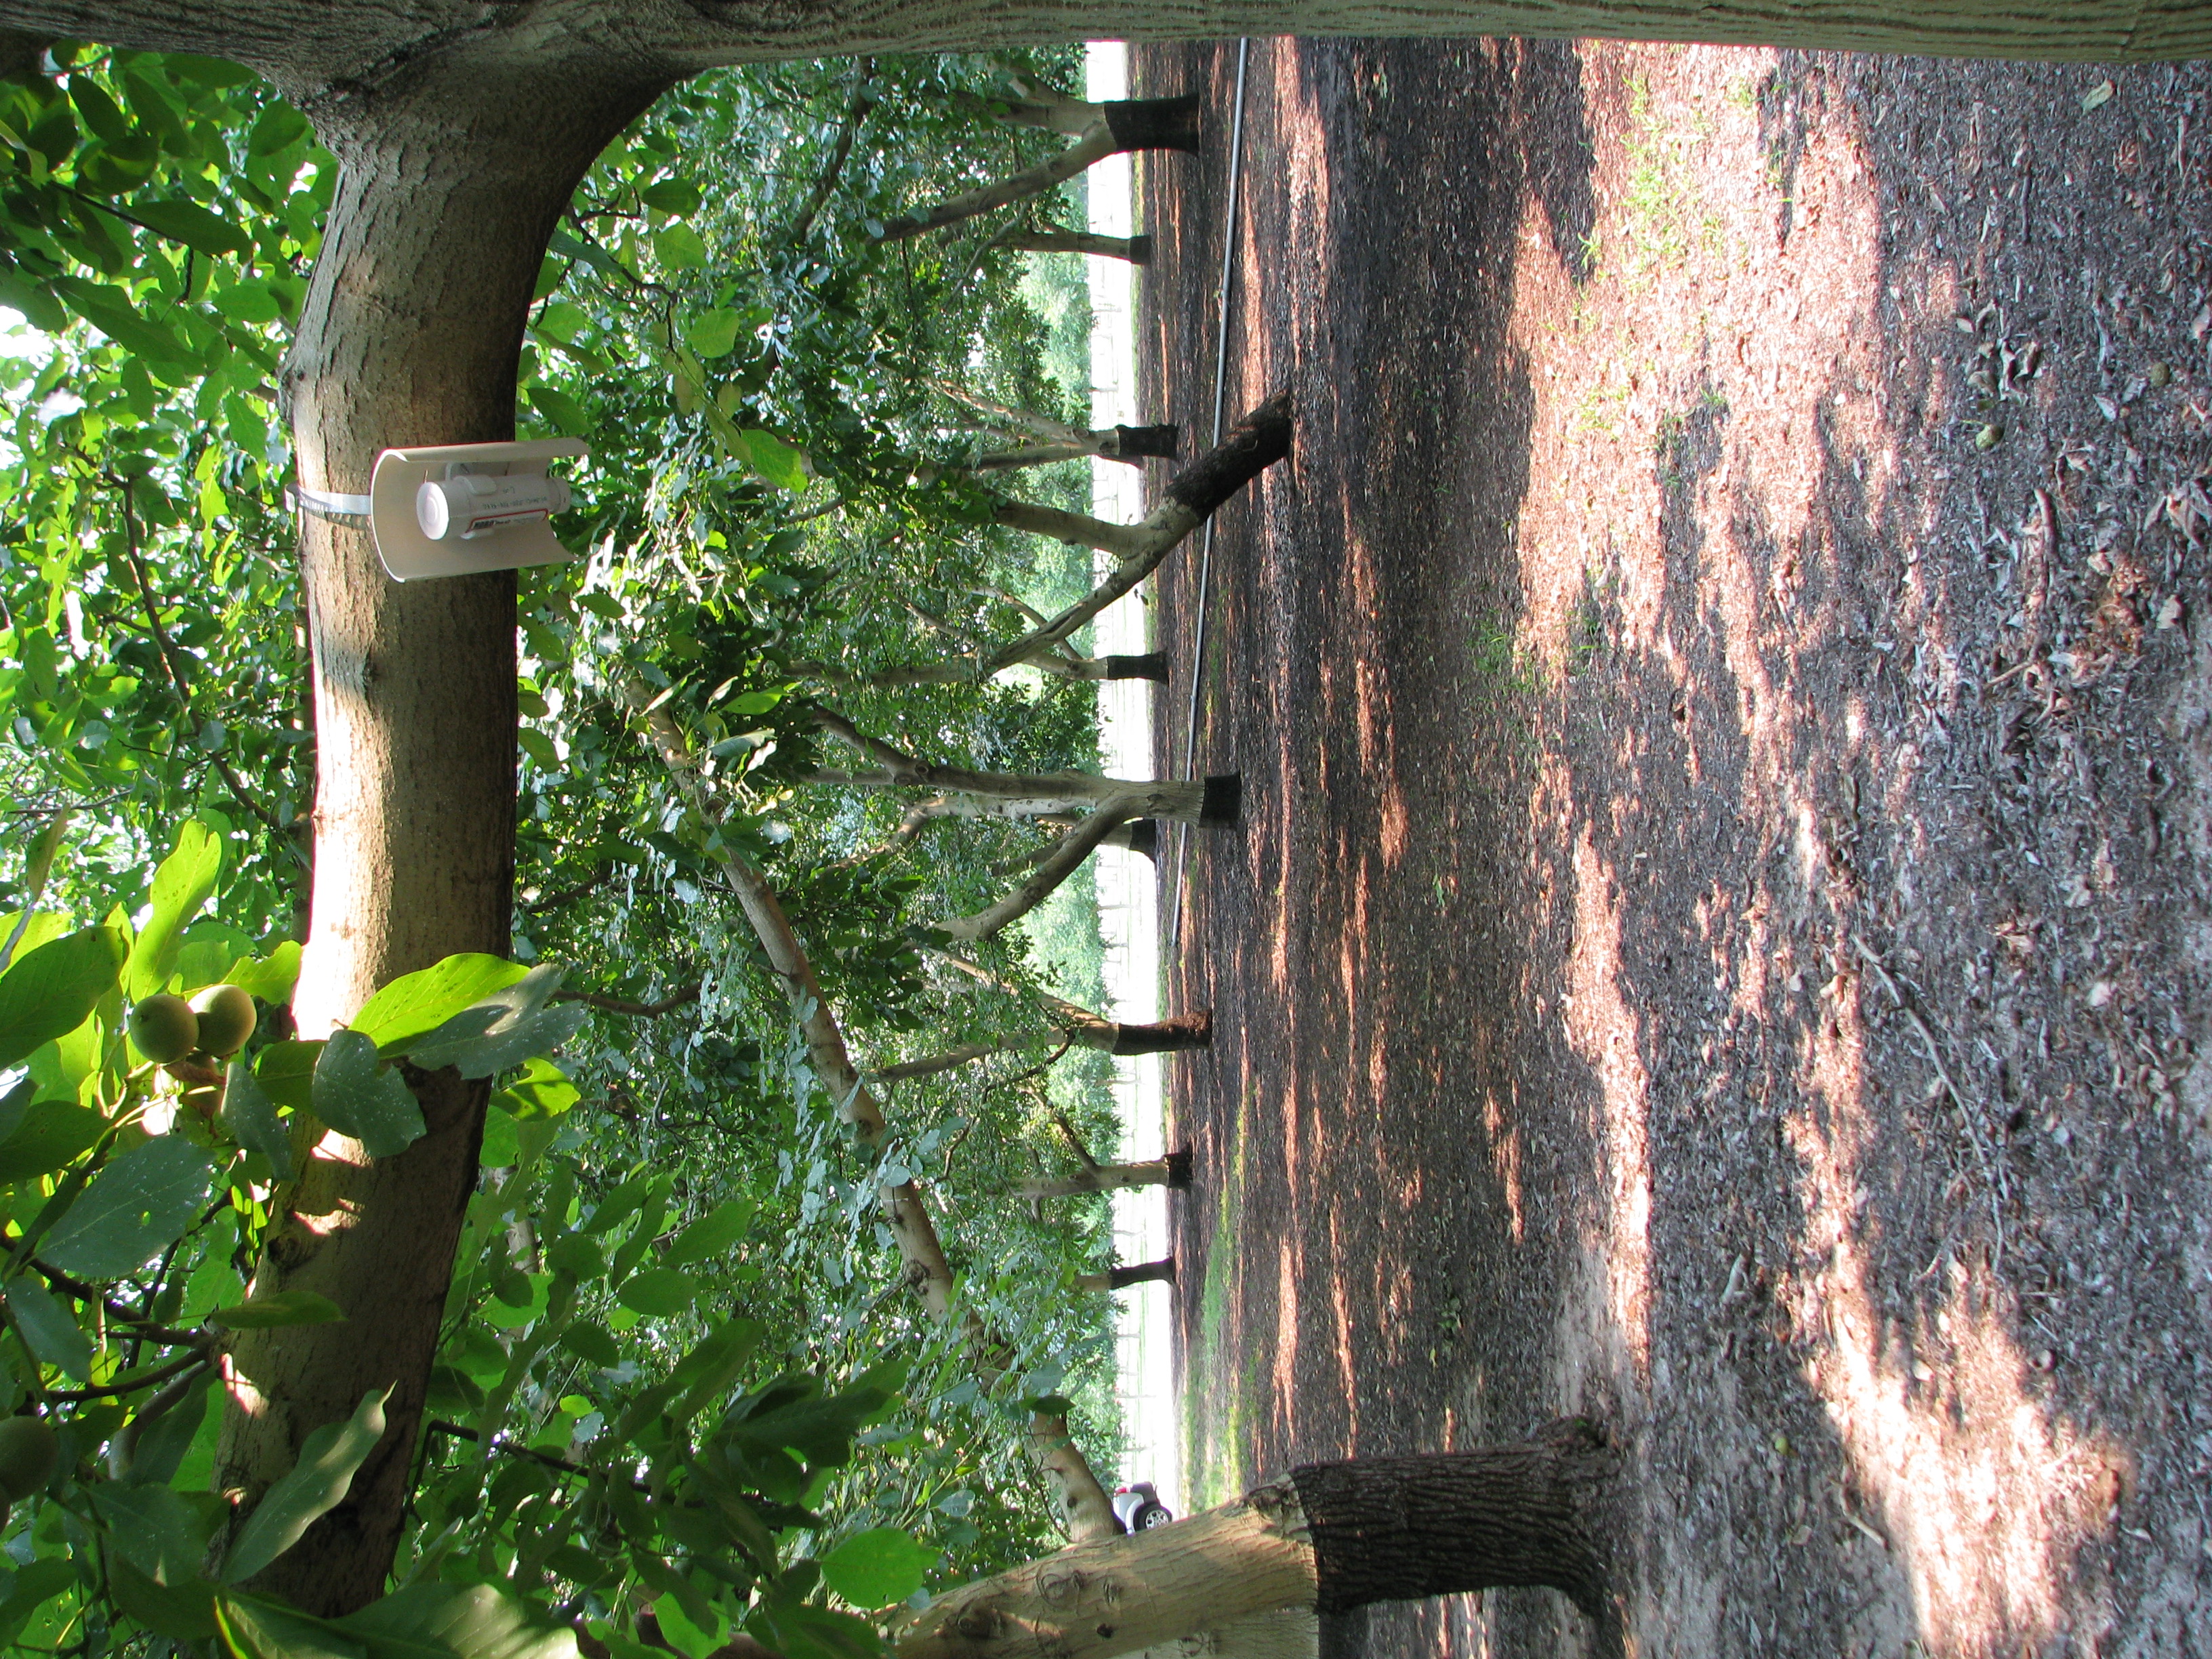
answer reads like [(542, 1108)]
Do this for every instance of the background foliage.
[(680, 1391)]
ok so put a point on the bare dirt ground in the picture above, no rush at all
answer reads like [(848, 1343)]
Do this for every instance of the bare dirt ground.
[(1720, 935)]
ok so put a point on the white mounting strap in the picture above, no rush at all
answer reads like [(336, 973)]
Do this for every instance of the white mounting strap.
[(324, 505)]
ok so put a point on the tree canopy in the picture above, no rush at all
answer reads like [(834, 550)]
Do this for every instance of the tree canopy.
[(677, 1324)]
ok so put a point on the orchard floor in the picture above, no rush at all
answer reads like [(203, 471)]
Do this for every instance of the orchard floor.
[(1719, 938)]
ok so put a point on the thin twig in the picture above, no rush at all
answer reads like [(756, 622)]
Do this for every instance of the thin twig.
[(1967, 1116), (106, 1391), (168, 1335), (1074, 1140), (639, 1010), (168, 652), (571, 894), (863, 101)]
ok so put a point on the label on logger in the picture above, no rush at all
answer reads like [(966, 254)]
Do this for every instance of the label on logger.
[(475, 504)]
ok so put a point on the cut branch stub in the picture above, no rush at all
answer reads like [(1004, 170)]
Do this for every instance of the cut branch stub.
[(1155, 123), (1128, 443)]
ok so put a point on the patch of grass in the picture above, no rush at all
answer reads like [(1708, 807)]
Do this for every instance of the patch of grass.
[(1213, 1469), (1664, 218), (1504, 671), (1590, 635), (1602, 408)]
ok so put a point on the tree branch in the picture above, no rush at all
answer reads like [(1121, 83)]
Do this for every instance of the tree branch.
[(639, 1010), (169, 652)]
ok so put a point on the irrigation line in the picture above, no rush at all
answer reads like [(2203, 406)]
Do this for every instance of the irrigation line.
[(1206, 547)]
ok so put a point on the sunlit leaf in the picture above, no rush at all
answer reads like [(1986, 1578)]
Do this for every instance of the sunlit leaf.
[(53, 990)]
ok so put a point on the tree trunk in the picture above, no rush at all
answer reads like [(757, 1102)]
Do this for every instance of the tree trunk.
[(1256, 442), (1332, 1537), (1161, 1272), (411, 335), (1137, 250), (1172, 1171), (1404, 1529), (1090, 1511), (1088, 1030), (1126, 124)]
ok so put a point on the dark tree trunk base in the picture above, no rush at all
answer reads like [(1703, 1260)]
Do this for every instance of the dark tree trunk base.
[(1256, 442), (1224, 801), (1151, 666), (1191, 1030), (1155, 123), (1161, 1272), (1130, 443), (1404, 1528), (1143, 837)]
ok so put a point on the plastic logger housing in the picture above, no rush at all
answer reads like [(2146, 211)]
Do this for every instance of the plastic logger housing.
[(402, 511)]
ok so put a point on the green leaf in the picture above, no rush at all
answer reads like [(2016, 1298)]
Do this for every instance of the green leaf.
[(418, 1003), (677, 197), (457, 1621), (13, 1105), (185, 882), (775, 460), (273, 977), (254, 1629), (714, 334), (110, 311), (504, 1029), (657, 1292), (705, 1374), (38, 308), (250, 1118), (678, 248), (542, 1090), (160, 1532), (316, 1483), (286, 1072), (192, 225), (52, 1136), (878, 1567), (357, 1096), (135, 1208), (50, 1329), (576, 1255), (160, 1447), (564, 413), (53, 990), (280, 126), (184, 1609), (588, 1340), (712, 1234), (502, 1145), (277, 1309)]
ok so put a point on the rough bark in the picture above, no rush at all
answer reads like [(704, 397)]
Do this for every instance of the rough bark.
[(411, 334), (1097, 1599), (1084, 1030), (1254, 443), (1404, 1529), (315, 44)]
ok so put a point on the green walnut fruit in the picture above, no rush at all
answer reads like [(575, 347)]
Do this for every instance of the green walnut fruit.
[(164, 1027), (28, 1450), (226, 1017)]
